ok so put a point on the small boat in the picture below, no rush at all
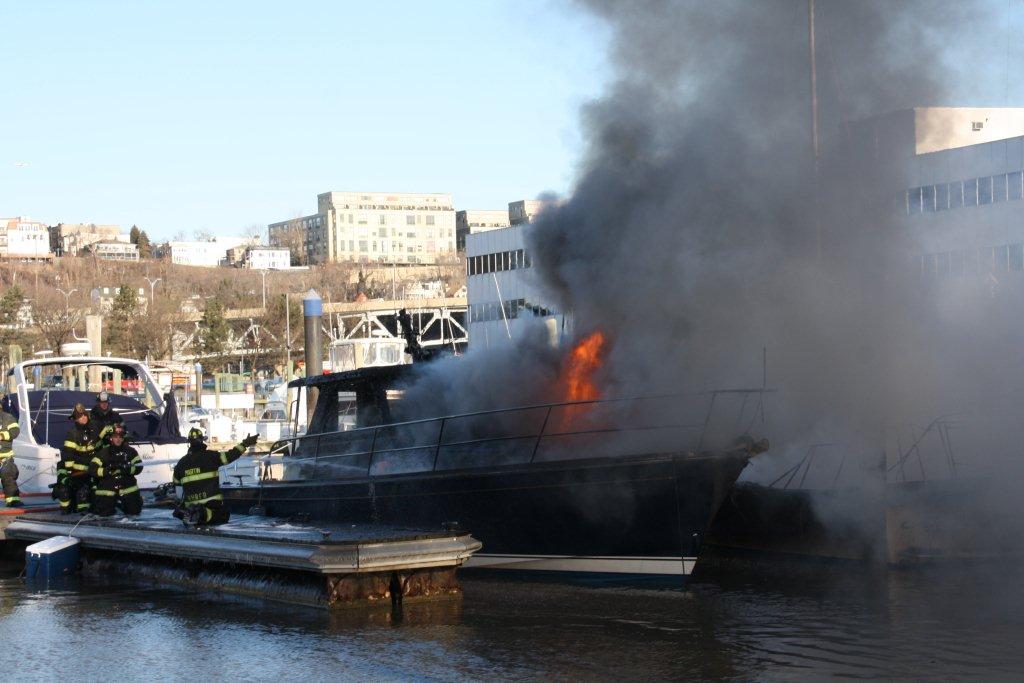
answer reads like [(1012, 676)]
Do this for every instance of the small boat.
[(43, 392), (617, 486)]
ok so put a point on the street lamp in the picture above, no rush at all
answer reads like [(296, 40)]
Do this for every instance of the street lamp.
[(67, 299), (152, 283)]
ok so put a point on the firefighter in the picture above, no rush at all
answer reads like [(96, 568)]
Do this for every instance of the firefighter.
[(80, 444), (103, 416), (196, 474), (8, 468), (113, 469)]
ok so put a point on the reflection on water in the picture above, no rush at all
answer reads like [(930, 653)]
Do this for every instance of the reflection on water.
[(849, 623)]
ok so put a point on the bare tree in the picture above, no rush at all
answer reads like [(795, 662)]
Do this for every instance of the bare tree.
[(55, 319)]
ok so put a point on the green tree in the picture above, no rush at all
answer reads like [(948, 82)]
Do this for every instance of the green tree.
[(145, 248), (133, 235), (212, 338), (10, 304), (123, 316)]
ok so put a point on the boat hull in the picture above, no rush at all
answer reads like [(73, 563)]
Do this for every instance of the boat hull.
[(636, 514)]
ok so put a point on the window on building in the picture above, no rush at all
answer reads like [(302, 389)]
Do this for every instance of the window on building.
[(430, 220), (986, 260), (914, 201), (985, 190), (956, 194), (351, 245), (929, 266), (383, 220), (941, 197), (491, 263), (928, 198), (1013, 185), (956, 264), (971, 263), (410, 220), (971, 192), (999, 188), (1016, 257)]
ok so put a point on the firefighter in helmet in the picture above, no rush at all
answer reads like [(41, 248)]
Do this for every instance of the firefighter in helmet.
[(103, 416), (196, 473), (113, 469), (80, 444), (8, 468)]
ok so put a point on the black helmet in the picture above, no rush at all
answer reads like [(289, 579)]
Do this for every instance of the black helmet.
[(196, 436), (78, 411), (117, 431)]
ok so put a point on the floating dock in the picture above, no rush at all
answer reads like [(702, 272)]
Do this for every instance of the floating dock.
[(320, 565)]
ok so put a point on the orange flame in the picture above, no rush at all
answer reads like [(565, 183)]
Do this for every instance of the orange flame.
[(584, 360)]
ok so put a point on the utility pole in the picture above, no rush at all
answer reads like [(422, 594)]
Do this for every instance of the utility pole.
[(263, 274), (152, 283), (815, 139), (67, 299)]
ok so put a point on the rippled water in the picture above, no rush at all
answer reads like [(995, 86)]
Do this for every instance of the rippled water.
[(763, 626)]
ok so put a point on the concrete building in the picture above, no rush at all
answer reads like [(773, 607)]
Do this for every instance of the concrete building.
[(498, 261), (963, 206), (471, 221), (115, 251), (22, 238), (69, 239), (208, 254), (525, 210), (267, 258), (372, 227)]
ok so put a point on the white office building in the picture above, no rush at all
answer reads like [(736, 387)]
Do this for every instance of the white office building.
[(208, 254), (501, 288)]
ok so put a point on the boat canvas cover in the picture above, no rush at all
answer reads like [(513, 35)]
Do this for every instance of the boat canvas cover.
[(140, 422)]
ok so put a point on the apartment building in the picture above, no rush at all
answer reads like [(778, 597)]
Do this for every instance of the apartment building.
[(378, 227)]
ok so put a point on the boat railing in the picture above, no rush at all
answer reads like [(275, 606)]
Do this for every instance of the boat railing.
[(523, 434)]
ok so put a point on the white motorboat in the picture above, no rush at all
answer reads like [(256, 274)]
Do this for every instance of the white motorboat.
[(41, 394)]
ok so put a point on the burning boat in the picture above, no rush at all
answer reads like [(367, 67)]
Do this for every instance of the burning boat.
[(585, 484), (43, 392)]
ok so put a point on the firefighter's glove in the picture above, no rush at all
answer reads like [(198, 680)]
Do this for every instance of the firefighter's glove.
[(249, 441)]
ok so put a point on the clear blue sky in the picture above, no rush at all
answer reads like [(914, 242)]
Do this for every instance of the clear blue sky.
[(185, 116)]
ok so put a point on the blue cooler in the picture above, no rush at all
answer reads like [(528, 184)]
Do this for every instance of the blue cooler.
[(51, 559)]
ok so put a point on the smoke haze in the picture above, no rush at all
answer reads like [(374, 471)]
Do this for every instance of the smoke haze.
[(698, 232)]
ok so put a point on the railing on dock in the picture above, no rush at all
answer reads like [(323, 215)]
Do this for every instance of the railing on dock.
[(525, 434)]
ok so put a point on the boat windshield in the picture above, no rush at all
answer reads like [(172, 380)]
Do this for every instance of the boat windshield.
[(352, 354), (118, 379)]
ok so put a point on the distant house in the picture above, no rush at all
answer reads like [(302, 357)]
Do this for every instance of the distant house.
[(70, 239), (24, 239), (103, 298), (267, 258), (115, 251)]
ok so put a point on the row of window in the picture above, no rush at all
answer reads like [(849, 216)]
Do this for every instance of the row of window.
[(367, 245), (959, 193), (970, 262), (390, 207), (497, 262), (481, 313)]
